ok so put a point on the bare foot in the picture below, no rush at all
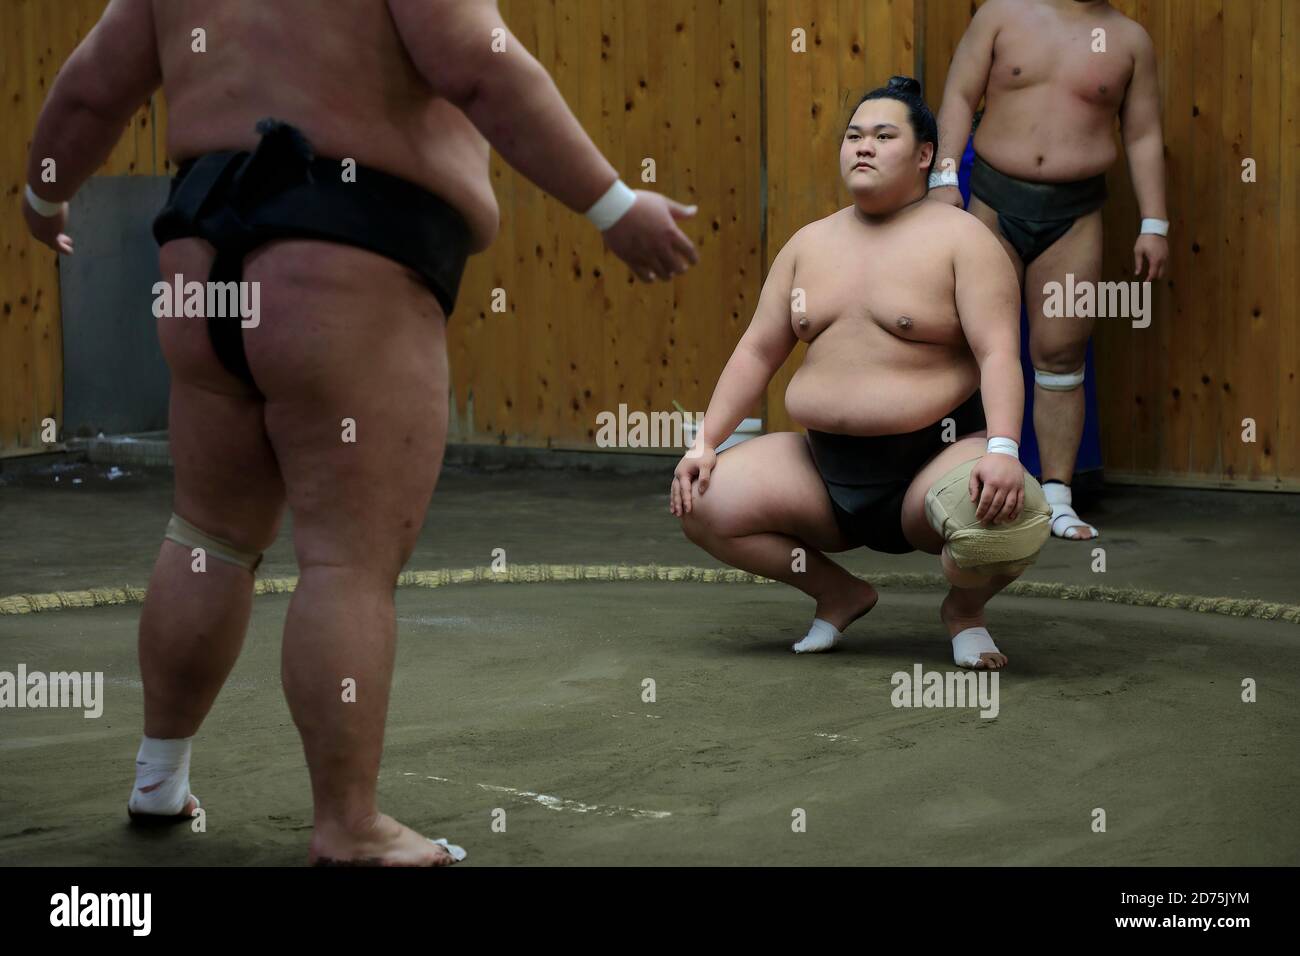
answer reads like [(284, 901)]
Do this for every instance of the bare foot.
[(845, 606), (956, 622), (382, 842)]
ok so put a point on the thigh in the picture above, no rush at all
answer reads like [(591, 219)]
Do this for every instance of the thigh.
[(1057, 343), (227, 479), (915, 526), (770, 484), (351, 355), (989, 216)]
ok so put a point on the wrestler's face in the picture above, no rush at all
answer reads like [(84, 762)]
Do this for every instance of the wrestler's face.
[(879, 157)]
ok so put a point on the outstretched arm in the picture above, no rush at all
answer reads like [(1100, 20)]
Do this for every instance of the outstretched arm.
[(469, 57), (110, 75)]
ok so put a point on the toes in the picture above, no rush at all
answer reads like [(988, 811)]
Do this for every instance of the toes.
[(451, 852)]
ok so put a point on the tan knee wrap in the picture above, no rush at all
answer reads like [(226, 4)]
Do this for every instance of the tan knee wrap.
[(987, 548), (185, 534)]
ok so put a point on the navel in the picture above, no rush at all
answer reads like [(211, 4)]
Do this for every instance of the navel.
[(1016, 71), (803, 322)]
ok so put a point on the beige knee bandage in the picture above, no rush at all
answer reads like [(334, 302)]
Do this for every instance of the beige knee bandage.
[(987, 548), (185, 534)]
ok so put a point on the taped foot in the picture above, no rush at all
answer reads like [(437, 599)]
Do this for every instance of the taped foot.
[(835, 614), (1066, 522), (162, 782), (141, 818), (457, 852), (972, 645), (822, 636), (974, 648)]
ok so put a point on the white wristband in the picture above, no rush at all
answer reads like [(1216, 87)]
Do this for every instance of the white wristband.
[(945, 178), (41, 207), (609, 208), (1154, 227), (1003, 446)]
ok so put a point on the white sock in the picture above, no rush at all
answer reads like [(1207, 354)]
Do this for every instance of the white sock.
[(822, 636), (969, 644), (162, 776)]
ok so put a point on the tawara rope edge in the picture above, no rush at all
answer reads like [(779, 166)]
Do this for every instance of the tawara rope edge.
[(568, 573)]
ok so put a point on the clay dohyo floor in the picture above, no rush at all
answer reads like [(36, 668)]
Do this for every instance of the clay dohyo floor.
[(528, 698)]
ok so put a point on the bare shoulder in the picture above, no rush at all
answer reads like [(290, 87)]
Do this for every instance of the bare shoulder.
[(951, 225), (1129, 32), (995, 13), (823, 227), (959, 236), (807, 238)]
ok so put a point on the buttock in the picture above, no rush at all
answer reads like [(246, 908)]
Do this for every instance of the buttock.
[(241, 201)]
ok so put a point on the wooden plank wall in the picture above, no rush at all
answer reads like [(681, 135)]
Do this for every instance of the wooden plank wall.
[(676, 82), (36, 36), (1222, 344), (711, 90)]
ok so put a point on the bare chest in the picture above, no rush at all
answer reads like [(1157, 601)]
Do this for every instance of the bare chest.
[(1086, 62), (904, 294)]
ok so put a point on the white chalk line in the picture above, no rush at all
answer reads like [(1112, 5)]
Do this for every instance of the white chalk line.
[(551, 802)]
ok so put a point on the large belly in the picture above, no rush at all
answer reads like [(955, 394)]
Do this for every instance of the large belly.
[(852, 392), (1046, 135)]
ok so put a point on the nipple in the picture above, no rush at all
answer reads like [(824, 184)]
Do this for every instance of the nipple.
[(904, 322), (803, 322)]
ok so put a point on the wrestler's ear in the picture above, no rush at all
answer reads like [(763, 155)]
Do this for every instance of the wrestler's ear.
[(927, 154)]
